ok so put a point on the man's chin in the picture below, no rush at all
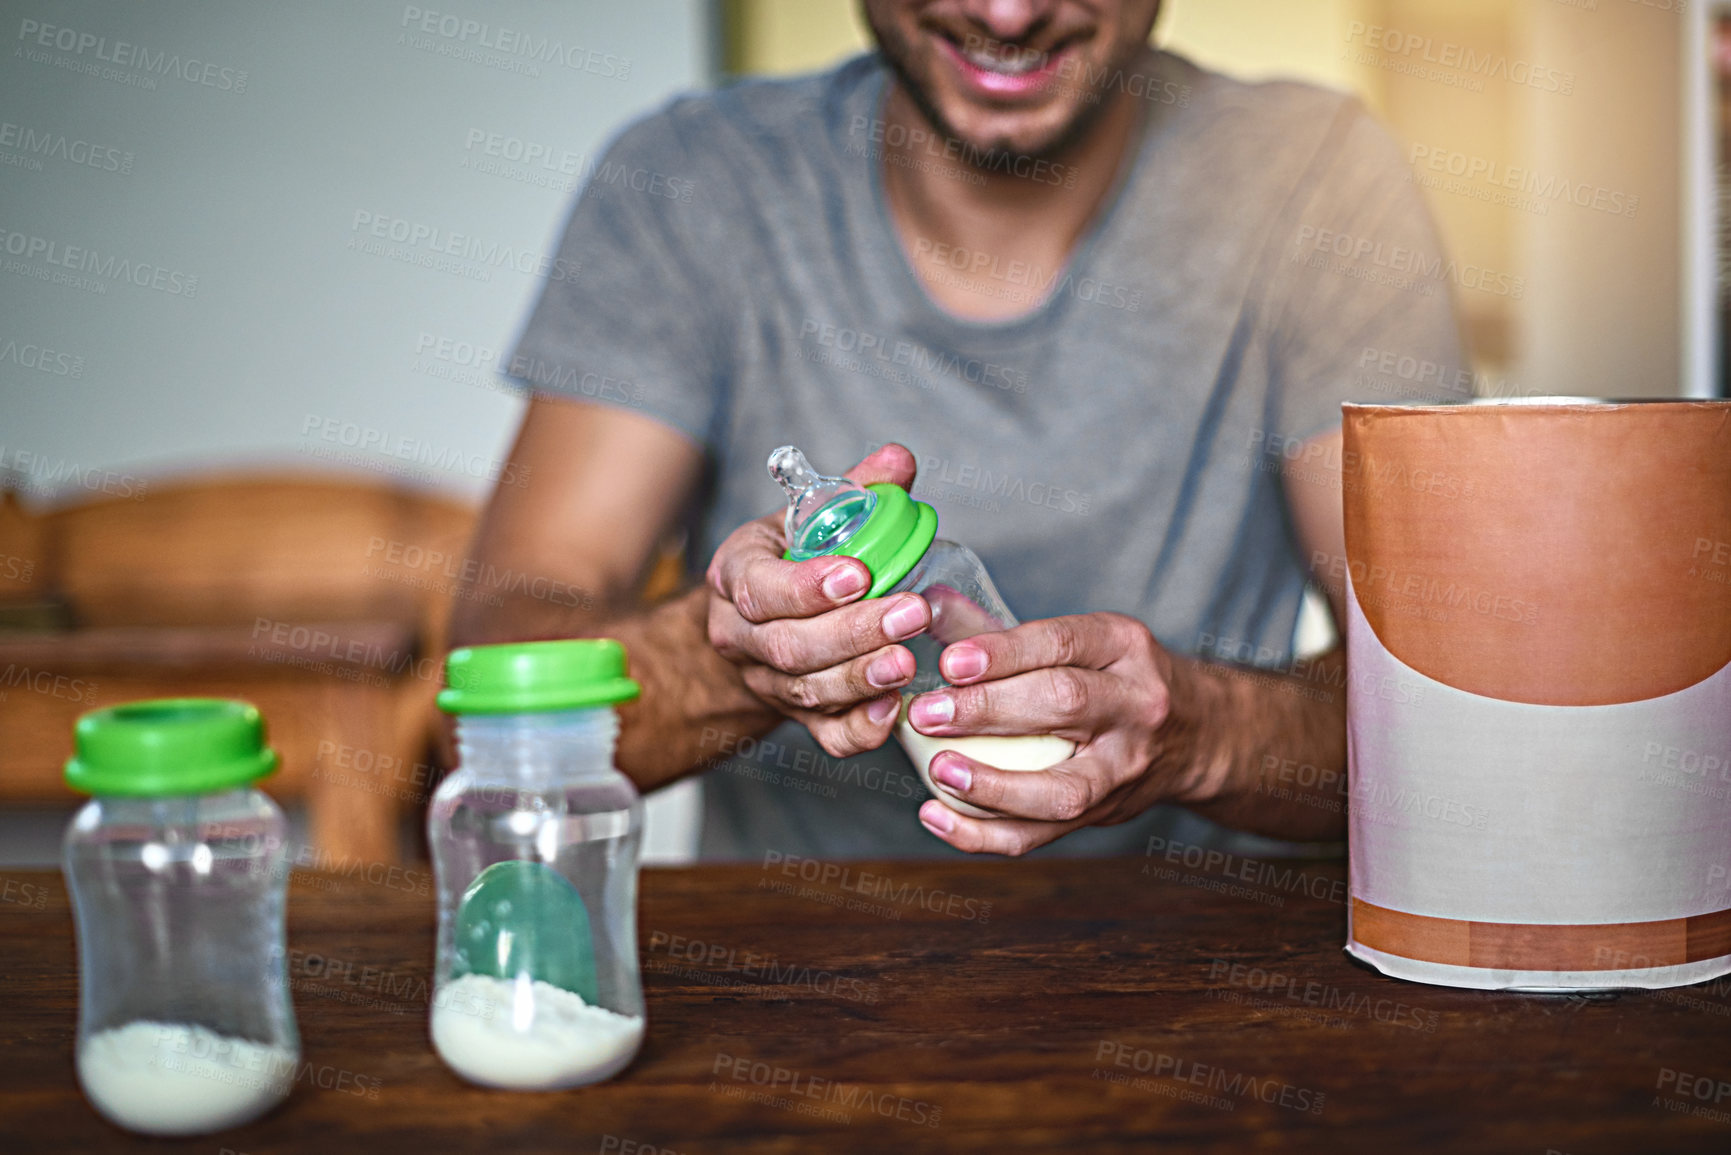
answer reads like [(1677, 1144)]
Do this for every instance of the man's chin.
[(1036, 137), (1035, 143)]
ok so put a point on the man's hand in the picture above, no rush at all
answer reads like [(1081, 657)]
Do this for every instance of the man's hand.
[(803, 640), (1100, 680)]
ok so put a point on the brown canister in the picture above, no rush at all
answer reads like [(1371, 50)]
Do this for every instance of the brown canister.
[(1539, 708)]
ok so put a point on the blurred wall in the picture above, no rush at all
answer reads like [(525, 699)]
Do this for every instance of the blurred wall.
[(1546, 134), (1604, 317), (310, 231), (782, 37)]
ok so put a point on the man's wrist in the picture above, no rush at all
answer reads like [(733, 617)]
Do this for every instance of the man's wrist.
[(1188, 751)]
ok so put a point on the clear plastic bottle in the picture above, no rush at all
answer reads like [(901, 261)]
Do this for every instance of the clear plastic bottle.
[(535, 840), (896, 537), (178, 880)]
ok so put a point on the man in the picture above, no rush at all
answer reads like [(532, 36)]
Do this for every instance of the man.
[(1101, 296)]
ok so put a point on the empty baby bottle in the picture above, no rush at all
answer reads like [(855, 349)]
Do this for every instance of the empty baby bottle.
[(535, 841), (176, 872), (896, 537)]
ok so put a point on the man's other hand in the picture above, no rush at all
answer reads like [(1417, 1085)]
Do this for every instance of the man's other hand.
[(803, 640), (1100, 680)]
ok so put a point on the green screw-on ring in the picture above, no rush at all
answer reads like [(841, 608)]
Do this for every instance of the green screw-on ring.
[(162, 747), (892, 540), (532, 677)]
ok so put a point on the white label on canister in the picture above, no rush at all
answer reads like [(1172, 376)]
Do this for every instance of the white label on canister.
[(1473, 808)]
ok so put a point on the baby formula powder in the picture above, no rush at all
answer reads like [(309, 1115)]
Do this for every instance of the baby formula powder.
[(524, 1035), (176, 1079)]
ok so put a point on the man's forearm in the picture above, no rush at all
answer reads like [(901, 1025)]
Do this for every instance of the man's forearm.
[(1263, 751), (693, 706)]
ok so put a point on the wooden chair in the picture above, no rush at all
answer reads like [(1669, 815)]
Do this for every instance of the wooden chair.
[(324, 602)]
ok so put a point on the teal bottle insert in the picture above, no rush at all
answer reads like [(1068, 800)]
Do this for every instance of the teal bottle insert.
[(521, 918)]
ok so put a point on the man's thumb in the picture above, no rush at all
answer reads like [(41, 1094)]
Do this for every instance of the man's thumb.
[(893, 463)]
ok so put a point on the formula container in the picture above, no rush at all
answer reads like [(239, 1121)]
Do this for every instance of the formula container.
[(896, 537), (535, 841), (1539, 709), (176, 869)]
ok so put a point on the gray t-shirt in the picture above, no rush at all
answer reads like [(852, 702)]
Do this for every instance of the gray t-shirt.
[(734, 272)]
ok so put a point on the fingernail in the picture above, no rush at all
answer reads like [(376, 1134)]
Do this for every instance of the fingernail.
[(842, 582), (932, 710), (964, 661), (883, 709), (885, 670), (906, 620), (952, 773), (936, 817)]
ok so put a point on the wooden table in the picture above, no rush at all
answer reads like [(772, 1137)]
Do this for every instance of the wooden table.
[(1107, 1005)]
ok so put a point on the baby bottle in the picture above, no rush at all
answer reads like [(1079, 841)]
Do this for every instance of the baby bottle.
[(176, 872), (535, 840), (896, 537)]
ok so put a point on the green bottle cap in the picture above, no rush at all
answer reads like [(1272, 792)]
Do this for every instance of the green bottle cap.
[(168, 746), (833, 517), (532, 677)]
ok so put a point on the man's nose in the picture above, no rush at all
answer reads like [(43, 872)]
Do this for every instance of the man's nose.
[(1010, 19)]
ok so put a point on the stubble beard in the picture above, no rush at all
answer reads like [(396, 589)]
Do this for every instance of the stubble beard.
[(997, 154)]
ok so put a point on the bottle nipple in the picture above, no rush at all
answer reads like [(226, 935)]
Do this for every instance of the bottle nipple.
[(822, 511)]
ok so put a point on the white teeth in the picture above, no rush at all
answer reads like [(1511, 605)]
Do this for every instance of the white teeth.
[(1016, 66)]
